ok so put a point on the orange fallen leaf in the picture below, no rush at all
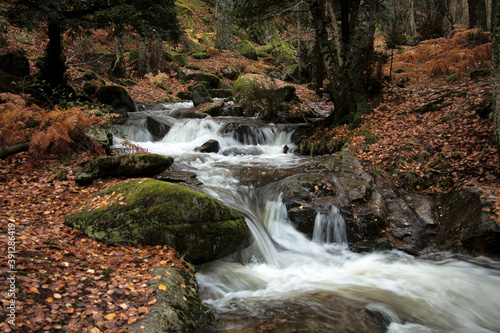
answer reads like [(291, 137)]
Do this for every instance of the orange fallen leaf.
[(162, 287), (49, 300), (110, 316)]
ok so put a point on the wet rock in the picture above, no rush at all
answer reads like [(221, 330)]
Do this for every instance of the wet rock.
[(211, 146), (179, 307), (157, 128), (246, 134), (153, 212), (135, 165), (179, 177), (242, 151), (468, 223), (200, 95)]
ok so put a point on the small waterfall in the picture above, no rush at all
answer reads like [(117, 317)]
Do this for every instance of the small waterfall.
[(330, 228)]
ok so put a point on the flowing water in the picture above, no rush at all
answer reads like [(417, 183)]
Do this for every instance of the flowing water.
[(285, 274)]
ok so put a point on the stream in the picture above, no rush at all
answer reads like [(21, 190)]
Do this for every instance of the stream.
[(285, 278)]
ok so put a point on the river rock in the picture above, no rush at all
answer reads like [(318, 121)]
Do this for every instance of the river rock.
[(135, 165), (211, 146), (468, 223), (179, 307), (334, 314), (187, 177), (200, 94), (152, 212), (117, 97), (157, 128), (377, 215)]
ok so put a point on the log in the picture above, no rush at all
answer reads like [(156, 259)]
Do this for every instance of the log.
[(7, 151)]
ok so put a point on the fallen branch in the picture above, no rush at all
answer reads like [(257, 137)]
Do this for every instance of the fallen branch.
[(7, 151)]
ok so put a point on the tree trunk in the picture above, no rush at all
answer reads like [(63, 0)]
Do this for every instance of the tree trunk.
[(144, 63), (347, 84), (477, 14), (495, 76), (156, 61), (412, 26), (54, 69), (119, 67), (224, 36)]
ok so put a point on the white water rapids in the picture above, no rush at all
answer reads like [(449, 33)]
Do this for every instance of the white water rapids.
[(282, 265)]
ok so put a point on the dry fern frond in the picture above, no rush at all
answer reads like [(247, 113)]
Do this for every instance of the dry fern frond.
[(212, 51), (436, 68)]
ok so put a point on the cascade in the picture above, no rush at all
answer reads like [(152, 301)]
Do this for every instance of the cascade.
[(284, 272)]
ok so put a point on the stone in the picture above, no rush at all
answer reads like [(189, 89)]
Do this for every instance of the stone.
[(153, 212), (199, 76), (211, 146), (116, 96), (179, 307), (200, 95), (246, 49), (157, 128), (135, 165), (468, 223), (187, 177)]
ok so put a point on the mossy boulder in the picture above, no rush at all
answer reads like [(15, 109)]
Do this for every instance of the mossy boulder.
[(284, 53), (200, 95), (180, 59), (185, 95), (90, 88), (200, 76), (265, 49), (246, 49), (153, 212), (257, 92), (230, 72), (134, 165), (116, 96)]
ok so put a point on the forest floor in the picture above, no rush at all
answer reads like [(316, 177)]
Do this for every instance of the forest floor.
[(68, 282)]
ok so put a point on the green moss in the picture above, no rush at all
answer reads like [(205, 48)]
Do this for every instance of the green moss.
[(154, 212), (246, 49), (451, 78)]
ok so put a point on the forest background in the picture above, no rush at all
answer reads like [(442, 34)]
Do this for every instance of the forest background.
[(412, 83)]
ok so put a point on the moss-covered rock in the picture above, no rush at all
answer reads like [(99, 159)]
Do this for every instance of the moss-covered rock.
[(135, 165), (152, 212), (201, 55), (185, 95), (246, 49), (180, 59), (200, 95), (90, 88), (116, 96), (265, 49), (258, 92), (230, 72), (199, 76), (284, 53)]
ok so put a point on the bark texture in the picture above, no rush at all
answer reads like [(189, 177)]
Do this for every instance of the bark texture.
[(224, 37)]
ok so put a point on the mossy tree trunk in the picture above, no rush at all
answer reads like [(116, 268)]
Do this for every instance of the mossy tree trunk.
[(347, 78), (119, 68), (224, 37), (495, 76)]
